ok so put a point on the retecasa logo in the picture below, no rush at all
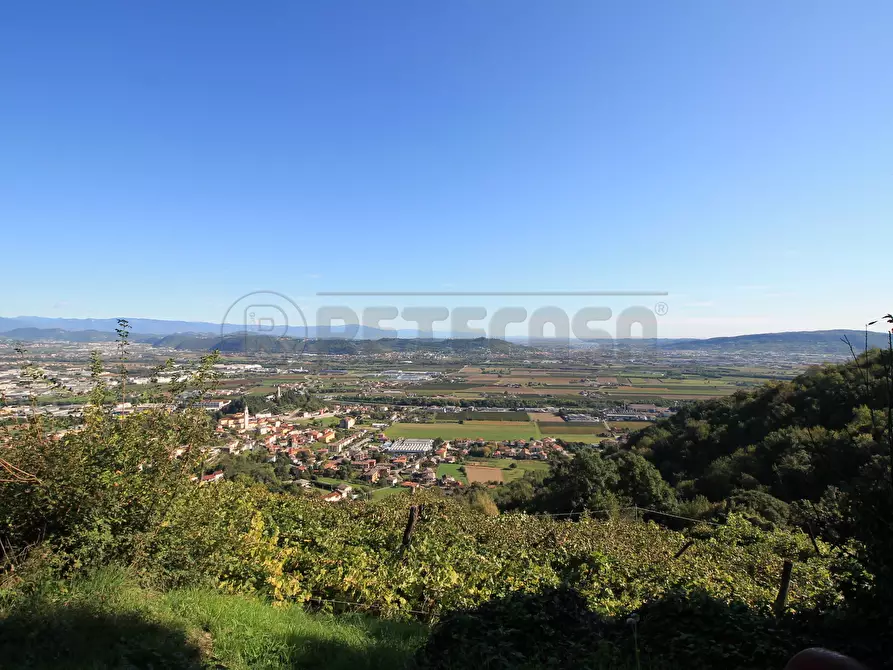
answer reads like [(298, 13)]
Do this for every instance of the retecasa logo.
[(266, 320), (262, 317)]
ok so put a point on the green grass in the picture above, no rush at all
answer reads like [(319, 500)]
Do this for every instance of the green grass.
[(468, 415), (331, 480), (378, 494), (630, 425), (589, 439), (443, 387), (107, 621), (508, 430), (556, 428), (452, 470), (325, 421)]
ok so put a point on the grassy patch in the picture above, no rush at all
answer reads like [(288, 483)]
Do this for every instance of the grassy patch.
[(630, 425), (106, 621), (324, 421), (378, 494), (451, 470), (553, 429), (588, 439)]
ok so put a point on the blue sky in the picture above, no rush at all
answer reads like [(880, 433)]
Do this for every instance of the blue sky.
[(163, 159)]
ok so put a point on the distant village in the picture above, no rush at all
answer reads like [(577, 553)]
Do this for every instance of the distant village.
[(362, 454)]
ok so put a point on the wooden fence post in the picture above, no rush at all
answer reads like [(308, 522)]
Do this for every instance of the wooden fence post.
[(685, 547), (815, 544), (410, 527), (782, 598)]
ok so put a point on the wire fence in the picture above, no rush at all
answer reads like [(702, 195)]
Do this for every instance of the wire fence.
[(431, 614), (636, 510)]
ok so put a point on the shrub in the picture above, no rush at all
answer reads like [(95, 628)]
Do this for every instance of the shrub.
[(684, 629)]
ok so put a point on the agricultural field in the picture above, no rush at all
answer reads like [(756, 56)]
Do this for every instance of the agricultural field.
[(574, 428), (630, 425), (593, 433), (529, 390), (468, 415), (482, 474), (502, 464), (653, 393), (551, 383), (496, 431), (612, 382), (587, 439), (509, 473), (441, 387), (486, 430)]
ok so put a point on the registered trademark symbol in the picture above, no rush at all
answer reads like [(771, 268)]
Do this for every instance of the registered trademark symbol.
[(661, 308)]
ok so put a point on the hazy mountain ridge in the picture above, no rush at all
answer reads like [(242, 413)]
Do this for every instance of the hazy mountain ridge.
[(254, 342), (816, 341), (234, 339), (251, 342), (59, 334), (163, 327)]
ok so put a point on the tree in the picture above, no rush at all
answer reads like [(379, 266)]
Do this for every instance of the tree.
[(759, 506), (640, 483), (584, 482), (480, 500), (481, 451)]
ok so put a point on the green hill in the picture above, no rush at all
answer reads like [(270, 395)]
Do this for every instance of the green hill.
[(789, 440), (828, 342), (58, 334)]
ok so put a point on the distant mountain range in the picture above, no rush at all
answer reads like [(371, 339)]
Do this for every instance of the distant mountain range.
[(202, 336), (155, 327), (256, 343), (807, 341), (37, 334)]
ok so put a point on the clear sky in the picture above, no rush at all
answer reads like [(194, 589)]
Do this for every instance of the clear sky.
[(161, 159)]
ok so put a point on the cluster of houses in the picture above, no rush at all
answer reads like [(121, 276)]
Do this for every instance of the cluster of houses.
[(358, 454), (412, 463)]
